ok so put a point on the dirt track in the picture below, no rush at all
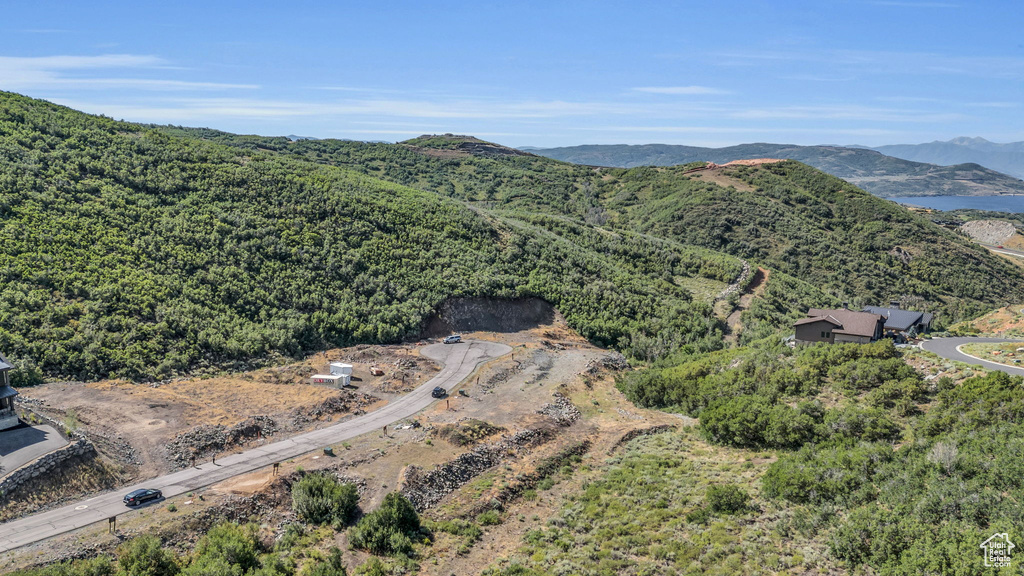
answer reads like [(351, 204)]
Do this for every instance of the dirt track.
[(507, 392)]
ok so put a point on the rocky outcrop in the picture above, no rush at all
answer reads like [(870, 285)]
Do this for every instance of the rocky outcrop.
[(993, 232), (488, 315)]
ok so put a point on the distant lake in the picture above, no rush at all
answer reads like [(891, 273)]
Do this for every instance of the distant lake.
[(1013, 203)]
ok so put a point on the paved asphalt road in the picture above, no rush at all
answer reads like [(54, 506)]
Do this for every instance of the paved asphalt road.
[(947, 348), (460, 360), (20, 446)]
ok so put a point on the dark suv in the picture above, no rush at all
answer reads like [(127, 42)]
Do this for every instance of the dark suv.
[(137, 497), (438, 392)]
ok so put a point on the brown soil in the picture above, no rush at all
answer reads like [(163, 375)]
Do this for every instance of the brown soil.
[(133, 422), (756, 288), (1006, 321), (507, 392), (720, 176), (753, 162)]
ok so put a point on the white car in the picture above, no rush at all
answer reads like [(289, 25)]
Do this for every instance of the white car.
[(453, 339)]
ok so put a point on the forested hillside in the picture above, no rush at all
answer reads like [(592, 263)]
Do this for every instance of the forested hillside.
[(141, 252), (788, 216), (131, 253)]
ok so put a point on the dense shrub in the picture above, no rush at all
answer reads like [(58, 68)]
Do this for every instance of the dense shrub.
[(333, 565), (320, 499), (143, 556), (388, 529), (727, 499)]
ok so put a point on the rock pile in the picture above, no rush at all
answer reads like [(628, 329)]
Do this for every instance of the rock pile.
[(562, 410), (613, 361), (524, 482), (204, 440), (501, 376), (659, 429), (738, 285), (346, 401), (425, 489)]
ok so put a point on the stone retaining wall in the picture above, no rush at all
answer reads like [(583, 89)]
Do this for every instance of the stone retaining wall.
[(45, 464)]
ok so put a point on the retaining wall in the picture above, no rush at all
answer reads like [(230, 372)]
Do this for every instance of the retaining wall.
[(44, 465)]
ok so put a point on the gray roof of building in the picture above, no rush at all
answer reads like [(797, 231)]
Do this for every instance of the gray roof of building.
[(899, 319), (5, 364), (7, 392)]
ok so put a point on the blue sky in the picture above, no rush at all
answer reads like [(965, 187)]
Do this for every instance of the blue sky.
[(535, 73)]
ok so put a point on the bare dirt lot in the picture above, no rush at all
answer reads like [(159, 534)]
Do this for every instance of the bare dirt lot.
[(133, 423), (550, 406)]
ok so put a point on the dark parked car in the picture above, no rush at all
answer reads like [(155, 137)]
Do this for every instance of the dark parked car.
[(453, 339), (438, 392), (144, 495)]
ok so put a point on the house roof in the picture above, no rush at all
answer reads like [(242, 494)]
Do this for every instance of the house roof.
[(7, 392), (850, 322), (814, 319), (899, 319), (5, 364)]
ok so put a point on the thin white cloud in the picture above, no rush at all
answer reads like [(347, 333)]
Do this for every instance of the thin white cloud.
[(187, 109), (54, 72), (681, 90), (859, 113), (78, 62)]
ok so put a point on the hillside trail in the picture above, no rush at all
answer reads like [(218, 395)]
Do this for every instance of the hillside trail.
[(756, 287)]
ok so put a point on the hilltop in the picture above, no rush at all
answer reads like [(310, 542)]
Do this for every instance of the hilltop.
[(146, 252), (873, 171), (786, 215), (132, 253)]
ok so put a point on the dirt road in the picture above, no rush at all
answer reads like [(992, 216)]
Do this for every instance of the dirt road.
[(460, 360)]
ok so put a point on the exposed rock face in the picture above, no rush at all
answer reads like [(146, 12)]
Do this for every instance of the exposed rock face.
[(989, 231), (489, 315)]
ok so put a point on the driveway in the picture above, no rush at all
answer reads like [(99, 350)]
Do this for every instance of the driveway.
[(19, 446), (949, 348), (460, 360)]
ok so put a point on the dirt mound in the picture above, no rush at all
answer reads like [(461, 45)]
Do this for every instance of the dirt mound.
[(753, 162), (989, 231), (489, 315)]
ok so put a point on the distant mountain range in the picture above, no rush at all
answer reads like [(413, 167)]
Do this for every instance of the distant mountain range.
[(878, 173), (1007, 158)]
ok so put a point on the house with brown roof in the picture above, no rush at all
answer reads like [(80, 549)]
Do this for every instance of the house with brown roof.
[(840, 325)]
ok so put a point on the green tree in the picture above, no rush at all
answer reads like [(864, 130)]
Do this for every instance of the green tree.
[(320, 499), (144, 556), (727, 499), (388, 529)]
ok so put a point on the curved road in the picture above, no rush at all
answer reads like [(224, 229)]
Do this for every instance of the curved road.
[(949, 348), (460, 360)]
